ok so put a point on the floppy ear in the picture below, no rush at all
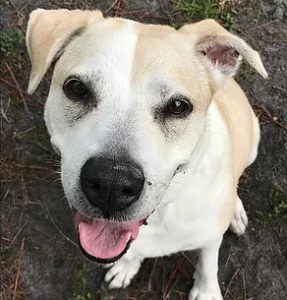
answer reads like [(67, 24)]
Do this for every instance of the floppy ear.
[(48, 32), (221, 51)]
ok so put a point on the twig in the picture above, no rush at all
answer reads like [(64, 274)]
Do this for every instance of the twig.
[(184, 272), (188, 259), (121, 4), (17, 86), (167, 288), (141, 13), (166, 11), (284, 287), (264, 113), (231, 280), (31, 167), (15, 237), (8, 83), (273, 119), (111, 7), (19, 268), (181, 294), (227, 260), (244, 286), (149, 286), (57, 227), (4, 111)]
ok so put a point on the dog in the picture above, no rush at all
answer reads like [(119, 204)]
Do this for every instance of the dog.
[(153, 134)]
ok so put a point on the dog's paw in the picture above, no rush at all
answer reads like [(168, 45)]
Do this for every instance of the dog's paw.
[(239, 220), (198, 293), (122, 272)]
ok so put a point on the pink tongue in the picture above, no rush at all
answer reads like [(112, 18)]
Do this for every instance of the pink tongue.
[(106, 239)]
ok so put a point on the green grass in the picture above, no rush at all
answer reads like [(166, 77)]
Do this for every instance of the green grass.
[(245, 72), (81, 289), (80, 285), (102, 294), (194, 10), (270, 2), (10, 41), (278, 203), (277, 207)]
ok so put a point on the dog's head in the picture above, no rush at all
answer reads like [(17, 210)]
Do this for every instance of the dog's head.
[(126, 109)]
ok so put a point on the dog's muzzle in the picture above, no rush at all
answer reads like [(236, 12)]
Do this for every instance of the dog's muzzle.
[(111, 185)]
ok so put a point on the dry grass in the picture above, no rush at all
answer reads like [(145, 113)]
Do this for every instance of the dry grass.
[(11, 286), (12, 246), (17, 174)]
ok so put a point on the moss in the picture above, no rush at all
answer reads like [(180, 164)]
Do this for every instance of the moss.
[(10, 41), (278, 203), (80, 285), (197, 10)]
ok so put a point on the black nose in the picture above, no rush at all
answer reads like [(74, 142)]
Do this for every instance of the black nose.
[(111, 184)]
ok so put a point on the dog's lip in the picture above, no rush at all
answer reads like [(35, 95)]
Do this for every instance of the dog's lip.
[(109, 260), (89, 219)]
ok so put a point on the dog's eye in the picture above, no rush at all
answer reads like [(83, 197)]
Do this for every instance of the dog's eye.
[(75, 89), (179, 107)]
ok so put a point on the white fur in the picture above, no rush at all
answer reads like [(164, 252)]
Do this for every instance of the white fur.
[(256, 139), (191, 221), (186, 210), (239, 221)]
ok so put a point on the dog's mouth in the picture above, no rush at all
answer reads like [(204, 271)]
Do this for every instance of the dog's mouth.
[(103, 240)]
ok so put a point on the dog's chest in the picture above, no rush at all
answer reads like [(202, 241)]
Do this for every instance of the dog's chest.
[(185, 224), (195, 202)]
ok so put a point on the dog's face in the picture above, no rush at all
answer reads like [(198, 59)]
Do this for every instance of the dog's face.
[(127, 106), (129, 98)]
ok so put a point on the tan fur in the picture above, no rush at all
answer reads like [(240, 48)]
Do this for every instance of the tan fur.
[(232, 103), (239, 117), (155, 42), (204, 28), (140, 68), (47, 33), (238, 114), (208, 32)]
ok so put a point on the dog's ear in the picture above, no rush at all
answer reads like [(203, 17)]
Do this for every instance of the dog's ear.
[(48, 32), (220, 50)]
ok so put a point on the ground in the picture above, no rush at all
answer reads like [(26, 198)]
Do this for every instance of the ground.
[(40, 258)]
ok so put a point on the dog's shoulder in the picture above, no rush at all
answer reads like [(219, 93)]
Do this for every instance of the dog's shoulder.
[(241, 122)]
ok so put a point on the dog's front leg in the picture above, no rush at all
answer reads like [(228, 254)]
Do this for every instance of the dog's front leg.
[(123, 271), (149, 243), (206, 285)]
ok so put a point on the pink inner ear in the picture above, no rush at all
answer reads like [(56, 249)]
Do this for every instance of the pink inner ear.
[(222, 55)]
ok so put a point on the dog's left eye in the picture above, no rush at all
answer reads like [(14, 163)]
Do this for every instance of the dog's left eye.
[(75, 89), (178, 107)]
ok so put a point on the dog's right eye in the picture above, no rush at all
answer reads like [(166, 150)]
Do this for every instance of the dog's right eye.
[(75, 89)]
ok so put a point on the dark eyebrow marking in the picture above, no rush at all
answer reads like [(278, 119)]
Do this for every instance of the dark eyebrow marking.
[(164, 91), (75, 110)]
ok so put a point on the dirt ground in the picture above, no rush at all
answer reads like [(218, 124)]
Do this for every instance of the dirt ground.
[(40, 259)]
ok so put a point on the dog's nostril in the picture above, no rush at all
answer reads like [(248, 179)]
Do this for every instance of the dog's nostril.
[(128, 192), (110, 184), (93, 185)]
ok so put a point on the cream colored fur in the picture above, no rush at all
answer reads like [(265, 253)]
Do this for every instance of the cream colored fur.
[(215, 145)]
